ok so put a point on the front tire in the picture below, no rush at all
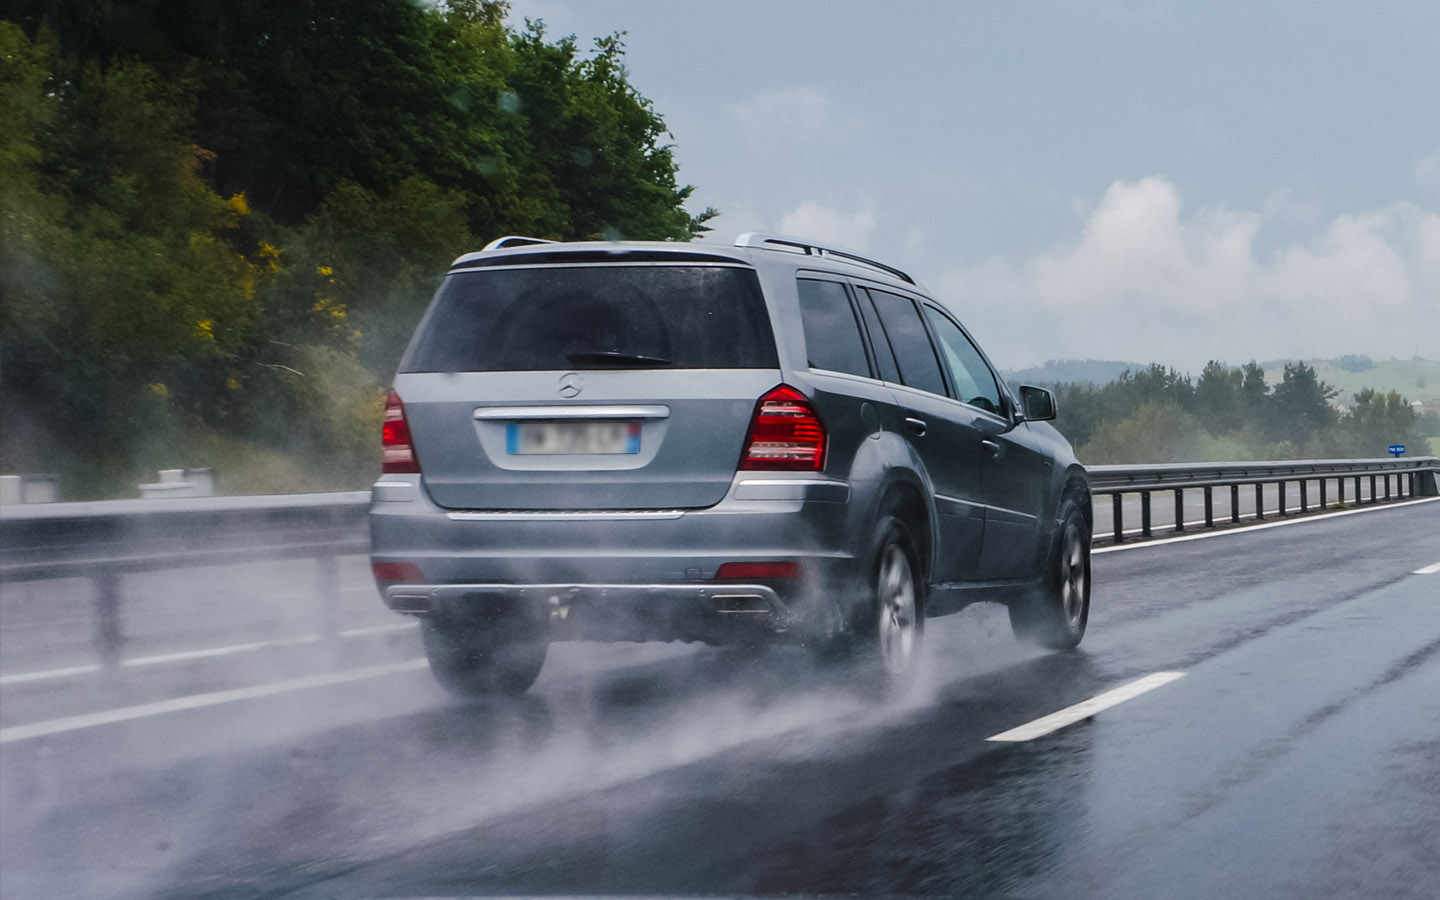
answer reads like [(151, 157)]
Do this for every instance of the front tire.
[(484, 658), (1056, 616)]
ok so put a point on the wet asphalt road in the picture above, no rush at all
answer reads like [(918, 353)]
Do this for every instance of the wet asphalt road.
[(1299, 756)]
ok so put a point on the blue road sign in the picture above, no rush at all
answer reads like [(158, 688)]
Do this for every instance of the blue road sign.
[(1397, 449)]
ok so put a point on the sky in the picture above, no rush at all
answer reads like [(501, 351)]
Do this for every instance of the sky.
[(1108, 179)]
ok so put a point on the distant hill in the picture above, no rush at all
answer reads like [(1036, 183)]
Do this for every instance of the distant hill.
[(1095, 371)]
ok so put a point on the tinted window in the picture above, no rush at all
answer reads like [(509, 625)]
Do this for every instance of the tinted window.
[(913, 353), (974, 382), (879, 344), (592, 317), (832, 336)]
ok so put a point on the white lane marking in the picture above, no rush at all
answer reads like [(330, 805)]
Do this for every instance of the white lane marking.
[(208, 652), (20, 677), (1300, 520), (205, 653), (1084, 710), (196, 701), (1428, 570), (379, 629)]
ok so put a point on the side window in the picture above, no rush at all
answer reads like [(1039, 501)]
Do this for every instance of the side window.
[(974, 382), (884, 356), (832, 336), (913, 353)]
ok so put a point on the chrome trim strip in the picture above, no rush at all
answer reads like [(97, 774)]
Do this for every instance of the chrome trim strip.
[(557, 595), (546, 515), (572, 412), (958, 502), (1000, 509)]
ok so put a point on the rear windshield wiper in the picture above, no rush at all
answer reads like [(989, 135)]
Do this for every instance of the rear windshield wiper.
[(615, 358)]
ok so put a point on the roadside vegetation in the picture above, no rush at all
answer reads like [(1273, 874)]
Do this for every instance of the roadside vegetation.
[(1156, 414), (219, 222)]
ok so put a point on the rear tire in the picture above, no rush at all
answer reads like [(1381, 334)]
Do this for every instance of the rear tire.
[(1055, 616), (886, 627), (486, 658)]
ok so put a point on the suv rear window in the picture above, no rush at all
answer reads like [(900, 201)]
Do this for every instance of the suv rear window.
[(595, 317)]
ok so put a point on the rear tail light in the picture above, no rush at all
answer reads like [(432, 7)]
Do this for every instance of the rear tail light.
[(785, 434), (395, 438)]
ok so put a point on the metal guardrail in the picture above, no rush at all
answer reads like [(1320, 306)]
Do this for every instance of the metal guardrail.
[(1396, 478), (106, 540)]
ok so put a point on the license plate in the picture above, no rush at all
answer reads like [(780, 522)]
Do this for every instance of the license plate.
[(571, 438)]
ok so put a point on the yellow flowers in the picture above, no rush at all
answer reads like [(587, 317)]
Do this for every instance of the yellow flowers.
[(240, 204), (271, 254), (329, 306), (205, 328), (159, 389), (327, 271)]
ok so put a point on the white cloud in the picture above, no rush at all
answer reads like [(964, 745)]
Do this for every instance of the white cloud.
[(831, 226), (770, 120), (1145, 281)]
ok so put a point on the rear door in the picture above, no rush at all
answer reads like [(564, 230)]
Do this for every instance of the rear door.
[(942, 431), (587, 386)]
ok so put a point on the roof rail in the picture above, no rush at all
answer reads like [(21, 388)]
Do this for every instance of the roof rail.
[(811, 248), (513, 240)]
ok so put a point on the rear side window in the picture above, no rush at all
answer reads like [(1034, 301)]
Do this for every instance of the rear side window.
[(595, 317), (832, 336), (916, 358)]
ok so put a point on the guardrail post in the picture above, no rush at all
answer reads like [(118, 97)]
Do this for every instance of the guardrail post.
[(1429, 484), (1118, 516), (1280, 508), (1235, 503), (1372, 488), (1324, 496), (1209, 507), (1304, 496), (1340, 490), (1145, 514), (1259, 500), (109, 635), (1386, 478), (1179, 509)]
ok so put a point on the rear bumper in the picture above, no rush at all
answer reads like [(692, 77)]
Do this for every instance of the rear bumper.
[(626, 575), (709, 612)]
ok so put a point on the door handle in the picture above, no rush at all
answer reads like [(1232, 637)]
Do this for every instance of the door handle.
[(991, 447), (918, 426)]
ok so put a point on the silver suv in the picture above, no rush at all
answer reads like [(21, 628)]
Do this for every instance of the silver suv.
[(777, 440)]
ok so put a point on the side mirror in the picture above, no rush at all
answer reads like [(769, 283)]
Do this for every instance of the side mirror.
[(1037, 403)]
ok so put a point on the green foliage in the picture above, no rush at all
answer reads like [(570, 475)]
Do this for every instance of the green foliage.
[(219, 222), (1157, 415)]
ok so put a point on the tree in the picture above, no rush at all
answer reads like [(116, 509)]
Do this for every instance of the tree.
[(1375, 422), (1299, 407), (1220, 399)]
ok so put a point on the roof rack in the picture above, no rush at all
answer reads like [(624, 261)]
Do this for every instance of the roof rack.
[(513, 240), (811, 248)]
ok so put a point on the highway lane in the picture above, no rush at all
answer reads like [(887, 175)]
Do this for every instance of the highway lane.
[(1297, 756)]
